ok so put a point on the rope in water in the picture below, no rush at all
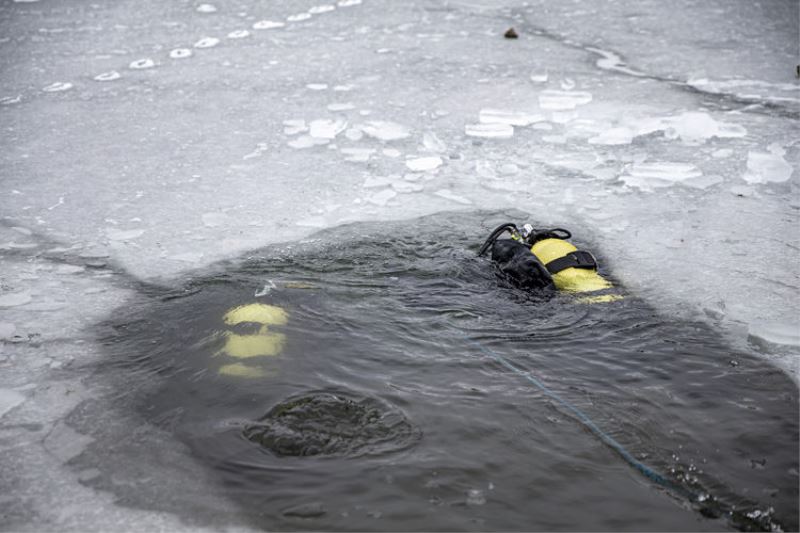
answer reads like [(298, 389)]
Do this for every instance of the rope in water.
[(645, 470)]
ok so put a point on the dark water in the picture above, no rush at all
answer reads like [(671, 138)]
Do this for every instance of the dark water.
[(380, 414)]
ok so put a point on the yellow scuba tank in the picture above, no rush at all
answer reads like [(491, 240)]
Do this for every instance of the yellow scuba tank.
[(570, 279), (558, 263)]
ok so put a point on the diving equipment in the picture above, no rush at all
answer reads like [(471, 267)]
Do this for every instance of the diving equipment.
[(544, 260)]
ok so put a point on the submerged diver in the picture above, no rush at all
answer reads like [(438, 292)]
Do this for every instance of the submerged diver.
[(544, 261)]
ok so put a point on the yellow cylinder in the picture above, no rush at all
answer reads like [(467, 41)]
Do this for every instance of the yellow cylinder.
[(570, 279)]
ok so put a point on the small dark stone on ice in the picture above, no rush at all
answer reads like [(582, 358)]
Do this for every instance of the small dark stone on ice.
[(511, 33)]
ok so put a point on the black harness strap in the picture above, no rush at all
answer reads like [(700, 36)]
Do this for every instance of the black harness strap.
[(576, 259)]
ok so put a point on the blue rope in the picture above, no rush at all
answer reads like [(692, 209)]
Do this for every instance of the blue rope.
[(645, 470)]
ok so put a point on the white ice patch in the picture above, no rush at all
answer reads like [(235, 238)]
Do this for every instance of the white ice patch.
[(384, 130), (7, 330), (341, 106), (318, 10), (748, 89), (553, 100), (432, 143), (381, 198), (10, 100), (180, 53), (348, 3), (294, 126), (326, 128), (58, 87), (539, 78), (447, 195), (614, 136), (357, 155), (141, 64), (376, 181), (298, 17), (260, 149), (489, 131), (108, 76), (207, 42), (424, 164), (768, 167), (317, 86), (771, 335), (9, 399), (648, 176), (391, 152), (691, 127), (316, 221), (268, 25), (238, 34), (15, 299), (206, 8), (354, 134), (123, 235), (215, 219), (611, 61), (404, 187), (512, 118), (306, 141)]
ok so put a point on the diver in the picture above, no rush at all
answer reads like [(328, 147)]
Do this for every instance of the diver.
[(544, 261)]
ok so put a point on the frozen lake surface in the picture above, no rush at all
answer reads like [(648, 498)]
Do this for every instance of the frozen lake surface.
[(145, 141)]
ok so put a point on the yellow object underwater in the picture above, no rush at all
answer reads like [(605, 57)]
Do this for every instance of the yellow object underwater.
[(570, 279), (258, 313), (265, 343)]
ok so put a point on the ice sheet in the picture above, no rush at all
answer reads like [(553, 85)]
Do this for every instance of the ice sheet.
[(161, 137)]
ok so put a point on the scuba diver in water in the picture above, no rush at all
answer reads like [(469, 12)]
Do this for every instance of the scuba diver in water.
[(544, 261)]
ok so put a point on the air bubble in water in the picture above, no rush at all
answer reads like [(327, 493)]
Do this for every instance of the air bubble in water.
[(140, 64), (207, 42), (108, 76), (58, 87), (180, 53)]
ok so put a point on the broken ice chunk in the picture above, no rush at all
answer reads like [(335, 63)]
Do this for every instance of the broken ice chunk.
[(444, 193), (513, 118), (423, 164), (766, 167), (306, 141), (647, 176), (613, 136), (553, 100), (357, 155), (432, 143), (489, 131), (294, 126), (326, 128), (385, 130)]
